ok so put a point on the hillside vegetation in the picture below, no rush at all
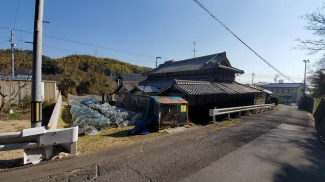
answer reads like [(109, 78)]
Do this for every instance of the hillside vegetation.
[(77, 74)]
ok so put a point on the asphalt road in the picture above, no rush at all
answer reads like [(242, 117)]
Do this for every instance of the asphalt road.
[(279, 145)]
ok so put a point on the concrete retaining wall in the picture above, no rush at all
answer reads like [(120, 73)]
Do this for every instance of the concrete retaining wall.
[(55, 114), (319, 116), (307, 104)]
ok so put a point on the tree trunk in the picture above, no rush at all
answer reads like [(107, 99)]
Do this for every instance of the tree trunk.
[(103, 98), (3, 104)]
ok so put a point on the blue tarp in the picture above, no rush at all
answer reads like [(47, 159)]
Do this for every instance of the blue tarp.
[(89, 101), (142, 126)]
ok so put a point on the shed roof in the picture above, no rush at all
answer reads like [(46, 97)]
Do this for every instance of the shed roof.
[(282, 85), (195, 64), (170, 100)]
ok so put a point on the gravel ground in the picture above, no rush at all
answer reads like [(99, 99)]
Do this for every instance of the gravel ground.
[(167, 158)]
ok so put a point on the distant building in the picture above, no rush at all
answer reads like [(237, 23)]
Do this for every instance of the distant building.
[(136, 78), (126, 83), (288, 92)]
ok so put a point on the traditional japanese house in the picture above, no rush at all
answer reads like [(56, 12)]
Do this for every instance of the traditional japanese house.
[(125, 84), (205, 82)]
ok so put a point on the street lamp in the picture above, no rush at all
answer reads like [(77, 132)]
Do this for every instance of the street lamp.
[(305, 61)]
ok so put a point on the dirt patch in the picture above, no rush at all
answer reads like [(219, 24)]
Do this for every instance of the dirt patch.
[(13, 125)]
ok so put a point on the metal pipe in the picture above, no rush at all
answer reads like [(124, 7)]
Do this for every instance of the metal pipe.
[(242, 107), (14, 146), (36, 103), (221, 113)]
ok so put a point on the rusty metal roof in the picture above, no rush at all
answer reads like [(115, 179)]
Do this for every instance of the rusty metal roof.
[(170, 100)]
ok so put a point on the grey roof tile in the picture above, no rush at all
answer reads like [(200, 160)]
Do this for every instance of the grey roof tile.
[(131, 77), (194, 64), (191, 87)]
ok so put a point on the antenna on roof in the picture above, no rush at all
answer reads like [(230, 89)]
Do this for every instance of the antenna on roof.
[(194, 49), (157, 61), (276, 77), (253, 75)]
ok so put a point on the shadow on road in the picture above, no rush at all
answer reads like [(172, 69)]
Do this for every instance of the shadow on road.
[(315, 154)]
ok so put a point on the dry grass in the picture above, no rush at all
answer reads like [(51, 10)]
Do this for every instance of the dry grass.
[(224, 124), (65, 119), (109, 138)]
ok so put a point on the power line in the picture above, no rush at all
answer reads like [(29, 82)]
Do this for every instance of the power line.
[(83, 43), (16, 14), (62, 49), (214, 17)]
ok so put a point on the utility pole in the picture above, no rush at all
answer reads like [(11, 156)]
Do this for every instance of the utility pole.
[(12, 51), (276, 77), (194, 49), (157, 61), (253, 75), (305, 61), (36, 103)]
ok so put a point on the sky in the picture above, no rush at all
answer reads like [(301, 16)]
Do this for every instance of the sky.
[(137, 31)]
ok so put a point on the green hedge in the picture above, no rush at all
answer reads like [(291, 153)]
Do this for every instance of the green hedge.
[(275, 100)]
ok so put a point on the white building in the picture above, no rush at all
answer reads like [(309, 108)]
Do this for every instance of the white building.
[(288, 92)]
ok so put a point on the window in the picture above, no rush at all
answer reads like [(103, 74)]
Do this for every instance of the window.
[(276, 90), (282, 90)]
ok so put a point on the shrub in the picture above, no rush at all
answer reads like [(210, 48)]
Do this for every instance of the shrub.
[(275, 100), (25, 102)]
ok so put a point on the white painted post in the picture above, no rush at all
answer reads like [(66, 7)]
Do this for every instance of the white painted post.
[(214, 116)]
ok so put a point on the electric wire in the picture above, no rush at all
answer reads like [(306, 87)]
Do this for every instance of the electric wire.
[(16, 14), (220, 22), (83, 43)]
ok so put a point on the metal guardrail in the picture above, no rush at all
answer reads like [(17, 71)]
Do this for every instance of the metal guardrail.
[(215, 112), (38, 142)]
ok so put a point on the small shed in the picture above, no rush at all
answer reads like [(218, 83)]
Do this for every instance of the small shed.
[(171, 112)]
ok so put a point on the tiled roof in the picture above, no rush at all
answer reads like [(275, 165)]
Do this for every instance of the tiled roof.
[(163, 82), (194, 64), (190, 87), (131, 77), (129, 86), (239, 88), (197, 87), (282, 85), (148, 89)]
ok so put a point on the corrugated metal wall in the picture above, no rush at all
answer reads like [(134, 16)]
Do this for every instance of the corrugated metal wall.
[(49, 91)]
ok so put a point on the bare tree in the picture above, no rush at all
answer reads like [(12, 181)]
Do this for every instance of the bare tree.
[(6, 100), (316, 24)]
